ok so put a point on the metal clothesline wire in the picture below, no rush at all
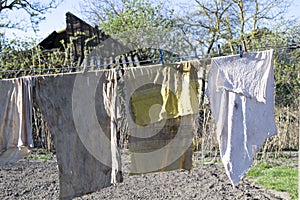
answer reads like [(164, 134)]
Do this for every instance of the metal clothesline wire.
[(95, 67), (182, 58), (74, 67), (258, 49)]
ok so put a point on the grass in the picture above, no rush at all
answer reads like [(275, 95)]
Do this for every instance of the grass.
[(41, 155), (279, 178)]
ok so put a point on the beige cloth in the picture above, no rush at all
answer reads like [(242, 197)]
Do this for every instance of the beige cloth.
[(80, 111), (15, 119), (162, 104), (241, 93)]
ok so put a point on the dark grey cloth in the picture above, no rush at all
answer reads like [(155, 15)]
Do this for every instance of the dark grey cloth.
[(80, 112)]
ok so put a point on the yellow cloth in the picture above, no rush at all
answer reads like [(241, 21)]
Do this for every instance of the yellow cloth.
[(142, 102), (188, 101), (162, 106), (177, 94)]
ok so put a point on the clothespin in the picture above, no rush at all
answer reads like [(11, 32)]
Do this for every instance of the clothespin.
[(240, 50), (195, 51), (161, 57), (244, 46), (219, 50)]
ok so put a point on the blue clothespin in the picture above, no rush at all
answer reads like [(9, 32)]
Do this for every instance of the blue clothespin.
[(240, 50), (219, 50), (161, 57)]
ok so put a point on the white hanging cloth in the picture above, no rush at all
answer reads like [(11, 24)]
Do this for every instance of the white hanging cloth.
[(241, 94)]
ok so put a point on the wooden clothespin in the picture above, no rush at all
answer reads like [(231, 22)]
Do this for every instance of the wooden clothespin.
[(219, 50), (244, 46)]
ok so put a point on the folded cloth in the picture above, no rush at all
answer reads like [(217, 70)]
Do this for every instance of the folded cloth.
[(162, 104), (241, 94), (80, 112), (15, 119)]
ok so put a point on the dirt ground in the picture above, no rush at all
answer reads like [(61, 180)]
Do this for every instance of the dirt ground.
[(32, 178)]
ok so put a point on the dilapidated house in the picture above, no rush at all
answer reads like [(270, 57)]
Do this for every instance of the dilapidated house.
[(78, 33), (88, 43)]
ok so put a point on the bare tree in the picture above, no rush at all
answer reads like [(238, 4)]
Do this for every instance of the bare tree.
[(32, 9), (204, 23), (228, 20), (98, 11)]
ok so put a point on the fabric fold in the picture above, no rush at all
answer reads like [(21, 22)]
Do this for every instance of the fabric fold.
[(15, 119), (80, 111), (247, 77), (241, 95)]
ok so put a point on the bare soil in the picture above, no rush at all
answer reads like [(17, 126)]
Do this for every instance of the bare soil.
[(32, 178)]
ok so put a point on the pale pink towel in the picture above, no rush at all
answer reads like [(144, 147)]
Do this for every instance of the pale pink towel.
[(15, 119)]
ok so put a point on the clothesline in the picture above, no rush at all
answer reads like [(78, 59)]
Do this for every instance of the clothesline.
[(72, 68), (182, 58), (258, 49), (103, 66)]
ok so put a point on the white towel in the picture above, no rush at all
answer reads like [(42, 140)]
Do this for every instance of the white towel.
[(241, 93)]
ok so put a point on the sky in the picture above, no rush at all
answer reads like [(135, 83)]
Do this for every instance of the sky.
[(55, 19)]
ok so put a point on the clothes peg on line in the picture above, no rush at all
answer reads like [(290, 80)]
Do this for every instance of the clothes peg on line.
[(240, 50), (161, 57), (219, 50), (244, 46), (195, 51)]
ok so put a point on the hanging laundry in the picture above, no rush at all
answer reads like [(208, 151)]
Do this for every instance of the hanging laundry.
[(241, 94), (122, 124), (15, 119), (162, 104), (80, 111)]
